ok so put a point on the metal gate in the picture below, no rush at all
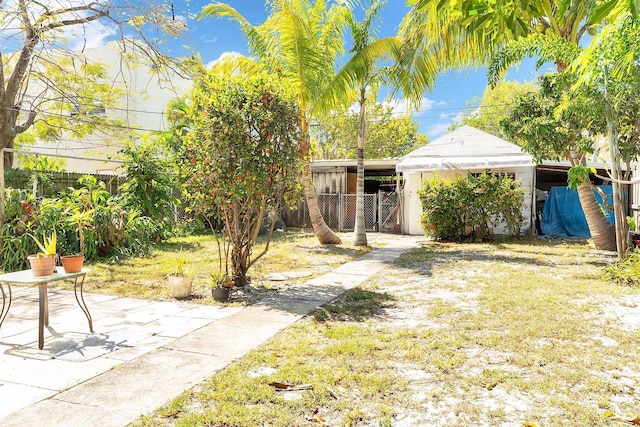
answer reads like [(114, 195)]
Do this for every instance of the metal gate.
[(389, 212), (348, 212), (381, 212)]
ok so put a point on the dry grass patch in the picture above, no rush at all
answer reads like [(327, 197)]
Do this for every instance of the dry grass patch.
[(452, 335), (146, 277)]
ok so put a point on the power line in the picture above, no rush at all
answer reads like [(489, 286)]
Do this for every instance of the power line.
[(34, 153)]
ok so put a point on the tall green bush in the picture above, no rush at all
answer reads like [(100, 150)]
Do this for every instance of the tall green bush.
[(149, 185), (469, 207)]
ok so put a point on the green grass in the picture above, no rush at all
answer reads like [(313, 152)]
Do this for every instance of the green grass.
[(452, 335), (146, 277)]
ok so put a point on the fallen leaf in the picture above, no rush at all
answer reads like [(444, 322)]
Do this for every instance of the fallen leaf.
[(634, 421), (332, 393), (529, 424), (315, 418)]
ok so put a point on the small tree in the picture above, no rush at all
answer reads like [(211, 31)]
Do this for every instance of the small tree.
[(388, 135), (241, 157)]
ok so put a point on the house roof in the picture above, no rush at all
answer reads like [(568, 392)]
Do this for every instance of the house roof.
[(465, 148)]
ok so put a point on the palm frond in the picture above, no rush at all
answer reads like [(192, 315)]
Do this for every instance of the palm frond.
[(547, 48), (234, 63), (357, 72), (222, 10)]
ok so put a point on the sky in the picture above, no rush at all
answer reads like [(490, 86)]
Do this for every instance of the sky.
[(442, 106)]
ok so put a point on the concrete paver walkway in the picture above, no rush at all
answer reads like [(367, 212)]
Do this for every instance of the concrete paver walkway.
[(144, 353)]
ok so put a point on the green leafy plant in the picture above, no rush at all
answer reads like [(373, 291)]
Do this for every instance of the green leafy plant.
[(150, 184), (183, 267), (48, 244), (80, 220), (469, 207), (241, 158), (220, 280), (625, 271)]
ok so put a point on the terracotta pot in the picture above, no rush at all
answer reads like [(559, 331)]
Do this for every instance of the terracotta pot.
[(220, 294), (180, 286), (42, 265), (72, 263)]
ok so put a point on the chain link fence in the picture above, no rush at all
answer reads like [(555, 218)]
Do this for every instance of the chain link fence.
[(348, 209), (382, 212), (298, 216)]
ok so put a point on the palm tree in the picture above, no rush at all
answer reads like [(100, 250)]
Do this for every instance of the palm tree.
[(360, 73), (300, 41), (503, 33)]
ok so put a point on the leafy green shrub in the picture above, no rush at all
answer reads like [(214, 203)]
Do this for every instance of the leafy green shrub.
[(625, 271), (150, 181), (469, 207), (109, 227)]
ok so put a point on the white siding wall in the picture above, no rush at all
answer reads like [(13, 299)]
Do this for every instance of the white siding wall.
[(413, 209), (142, 109)]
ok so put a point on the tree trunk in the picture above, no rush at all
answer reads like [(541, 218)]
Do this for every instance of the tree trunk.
[(325, 235), (602, 231), (360, 234), (622, 230)]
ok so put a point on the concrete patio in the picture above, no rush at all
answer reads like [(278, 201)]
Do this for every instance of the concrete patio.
[(143, 353)]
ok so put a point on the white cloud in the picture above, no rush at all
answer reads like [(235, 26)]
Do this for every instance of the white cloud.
[(223, 56), (75, 37), (438, 130), (88, 36), (401, 106)]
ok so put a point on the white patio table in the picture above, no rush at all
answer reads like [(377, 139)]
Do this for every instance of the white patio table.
[(25, 278)]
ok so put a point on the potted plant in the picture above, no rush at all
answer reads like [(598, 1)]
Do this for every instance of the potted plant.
[(180, 279), (73, 263), (43, 263), (221, 285)]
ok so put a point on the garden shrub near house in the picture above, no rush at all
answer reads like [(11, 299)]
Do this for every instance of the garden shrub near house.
[(470, 207)]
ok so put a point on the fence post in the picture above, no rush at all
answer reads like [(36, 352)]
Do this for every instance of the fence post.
[(340, 212)]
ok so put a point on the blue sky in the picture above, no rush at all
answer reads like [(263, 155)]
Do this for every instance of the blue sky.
[(446, 102)]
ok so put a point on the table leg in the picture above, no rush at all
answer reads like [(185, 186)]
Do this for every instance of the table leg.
[(81, 303), (46, 305), (5, 305), (43, 313)]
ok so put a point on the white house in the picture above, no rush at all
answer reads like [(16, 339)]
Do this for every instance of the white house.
[(464, 150), (141, 110)]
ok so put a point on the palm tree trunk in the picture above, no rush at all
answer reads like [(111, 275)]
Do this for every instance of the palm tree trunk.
[(360, 234), (325, 235), (602, 231)]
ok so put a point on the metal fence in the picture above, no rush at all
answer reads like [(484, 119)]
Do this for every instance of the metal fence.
[(51, 183), (389, 212), (298, 216), (339, 212), (348, 209)]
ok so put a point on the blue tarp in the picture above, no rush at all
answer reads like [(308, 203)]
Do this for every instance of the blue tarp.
[(562, 214)]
